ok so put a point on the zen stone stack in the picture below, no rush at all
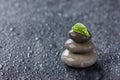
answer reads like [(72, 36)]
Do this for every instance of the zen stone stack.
[(80, 52)]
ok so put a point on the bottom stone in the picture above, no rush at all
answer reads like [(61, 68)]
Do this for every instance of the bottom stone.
[(79, 60)]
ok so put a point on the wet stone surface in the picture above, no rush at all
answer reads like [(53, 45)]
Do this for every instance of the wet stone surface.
[(79, 60), (79, 48), (78, 38), (33, 33)]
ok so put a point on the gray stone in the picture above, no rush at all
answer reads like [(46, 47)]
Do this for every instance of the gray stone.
[(79, 60), (79, 47), (79, 38)]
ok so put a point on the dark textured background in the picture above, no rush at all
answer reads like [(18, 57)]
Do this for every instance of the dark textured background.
[(33, 33)]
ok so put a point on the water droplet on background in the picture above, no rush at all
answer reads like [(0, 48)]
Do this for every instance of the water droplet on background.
[(50, 45), (36, 38), (28, 48), (59, 14), (1, 73), (9, 56), (1, 66), (11, 29), (28, 55)]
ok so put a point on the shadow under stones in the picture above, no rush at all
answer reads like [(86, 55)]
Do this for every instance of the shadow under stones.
[(94, 72)]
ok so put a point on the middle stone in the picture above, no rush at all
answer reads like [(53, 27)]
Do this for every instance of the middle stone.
[(79, 47)]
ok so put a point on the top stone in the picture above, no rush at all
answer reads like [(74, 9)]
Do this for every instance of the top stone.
[(79, 33), (79, 38)]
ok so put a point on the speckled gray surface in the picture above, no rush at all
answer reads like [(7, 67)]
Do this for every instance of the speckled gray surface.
[(33, 33)]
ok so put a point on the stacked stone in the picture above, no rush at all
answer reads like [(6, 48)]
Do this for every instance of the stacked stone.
[(80, 52)]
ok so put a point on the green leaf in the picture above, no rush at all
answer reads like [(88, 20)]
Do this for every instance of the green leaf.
[(80, 28)]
